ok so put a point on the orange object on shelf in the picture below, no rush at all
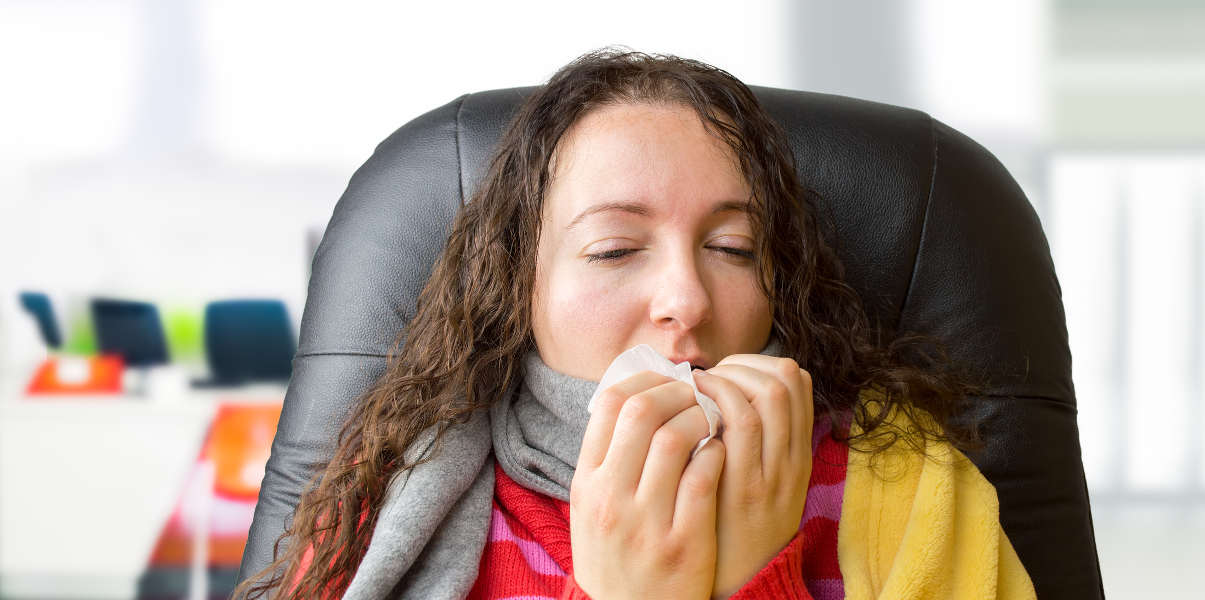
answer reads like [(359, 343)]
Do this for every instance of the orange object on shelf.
[(102, 376), (239, 444), (221, 490)]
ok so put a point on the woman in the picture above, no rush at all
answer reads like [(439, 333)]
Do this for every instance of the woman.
[(647, 199)]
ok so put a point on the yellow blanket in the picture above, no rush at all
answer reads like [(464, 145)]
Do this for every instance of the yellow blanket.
[(924, 525)]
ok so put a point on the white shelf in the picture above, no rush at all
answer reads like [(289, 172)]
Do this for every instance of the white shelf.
[(87, 483)]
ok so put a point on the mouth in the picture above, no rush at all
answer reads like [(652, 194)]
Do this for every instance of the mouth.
[(694, 357), (694, 363)]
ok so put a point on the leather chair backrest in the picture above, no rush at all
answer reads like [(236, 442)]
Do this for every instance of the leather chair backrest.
[(934, 233)]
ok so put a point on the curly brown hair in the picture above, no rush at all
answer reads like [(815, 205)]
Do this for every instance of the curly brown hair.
[(463, 349)]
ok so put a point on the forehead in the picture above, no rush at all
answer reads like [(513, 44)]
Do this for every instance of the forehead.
[(659, 154)]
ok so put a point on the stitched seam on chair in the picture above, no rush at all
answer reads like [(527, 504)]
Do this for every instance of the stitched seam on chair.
[(370, 354), (924, 226), (459, 158), (1062, 402)]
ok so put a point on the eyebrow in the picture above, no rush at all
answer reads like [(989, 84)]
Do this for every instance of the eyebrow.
[(638, 208)]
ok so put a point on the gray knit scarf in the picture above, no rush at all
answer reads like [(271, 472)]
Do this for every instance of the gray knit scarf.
[(433, 524)]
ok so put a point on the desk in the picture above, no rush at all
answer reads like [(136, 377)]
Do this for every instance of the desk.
[(87, 483)]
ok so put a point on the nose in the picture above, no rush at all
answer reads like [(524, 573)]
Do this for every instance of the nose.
[(680, 297)]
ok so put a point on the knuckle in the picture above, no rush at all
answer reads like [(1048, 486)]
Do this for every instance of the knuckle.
[(748, 420), (670, 441), (778, 391), (748, 497), (673, 552), (637, 407), (695, 486), (807, 378), (608, 514), (786, 367), (579, 494), (611, 399)]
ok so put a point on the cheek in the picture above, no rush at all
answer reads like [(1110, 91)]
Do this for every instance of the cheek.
[(588, 308), (743, 308), (583, 322)]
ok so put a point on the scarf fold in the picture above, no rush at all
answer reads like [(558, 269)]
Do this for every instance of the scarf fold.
[(435, 517)]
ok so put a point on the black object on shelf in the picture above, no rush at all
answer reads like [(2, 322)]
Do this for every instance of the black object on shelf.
[(38, 305), (132, 330), (248, 341)]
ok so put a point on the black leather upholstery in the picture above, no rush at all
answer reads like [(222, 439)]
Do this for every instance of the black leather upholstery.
[(934, 232)]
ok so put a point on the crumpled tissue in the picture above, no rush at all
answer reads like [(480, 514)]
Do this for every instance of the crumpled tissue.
[(645, 358)]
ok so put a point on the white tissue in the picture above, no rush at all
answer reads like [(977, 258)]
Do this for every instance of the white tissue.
[(644, 358)]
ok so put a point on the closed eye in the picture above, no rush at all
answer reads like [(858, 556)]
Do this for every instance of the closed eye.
[(734, 251), (609, 255)]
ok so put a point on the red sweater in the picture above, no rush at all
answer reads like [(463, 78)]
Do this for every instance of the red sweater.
[(528, 553)]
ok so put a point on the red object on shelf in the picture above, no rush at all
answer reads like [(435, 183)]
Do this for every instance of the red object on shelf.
[(103, 377)]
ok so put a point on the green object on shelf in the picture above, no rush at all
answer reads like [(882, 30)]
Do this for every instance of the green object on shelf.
[(81, 337), (183, 326), (185, 331)]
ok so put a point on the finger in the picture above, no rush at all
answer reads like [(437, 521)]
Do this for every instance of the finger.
[(771, 399), (601, 425), (805, 422), (641, 416), (695, 503), (742, 423), (668, 454), (799, 384)]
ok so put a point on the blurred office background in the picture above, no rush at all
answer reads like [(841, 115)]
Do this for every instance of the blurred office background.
[(180, 156)]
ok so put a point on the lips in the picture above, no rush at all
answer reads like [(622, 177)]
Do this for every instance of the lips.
[(695, 362)]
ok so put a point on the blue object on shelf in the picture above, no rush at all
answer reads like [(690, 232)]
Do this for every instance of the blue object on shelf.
[(129, 329), (38, 305), (248, 341)]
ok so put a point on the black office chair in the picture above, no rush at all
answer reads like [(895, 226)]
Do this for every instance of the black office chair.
[(132, 330), (247, 341), (934, 233)]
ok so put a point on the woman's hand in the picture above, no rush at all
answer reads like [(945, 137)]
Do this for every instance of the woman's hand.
[(642, 514), (768, 412)]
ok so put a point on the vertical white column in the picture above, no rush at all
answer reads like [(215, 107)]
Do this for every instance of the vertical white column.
[(1160, 332), (1085, 236), (1197, 401), (201, 495)]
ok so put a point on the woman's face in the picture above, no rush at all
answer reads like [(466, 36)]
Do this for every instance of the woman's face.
[(645, 239)]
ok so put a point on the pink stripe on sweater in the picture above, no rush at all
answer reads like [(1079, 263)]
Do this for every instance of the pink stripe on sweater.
[(820, 428), (826, 589), (533, 553), (823, 501)]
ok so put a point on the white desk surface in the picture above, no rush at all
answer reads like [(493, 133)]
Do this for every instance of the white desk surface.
[(86, 484)]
